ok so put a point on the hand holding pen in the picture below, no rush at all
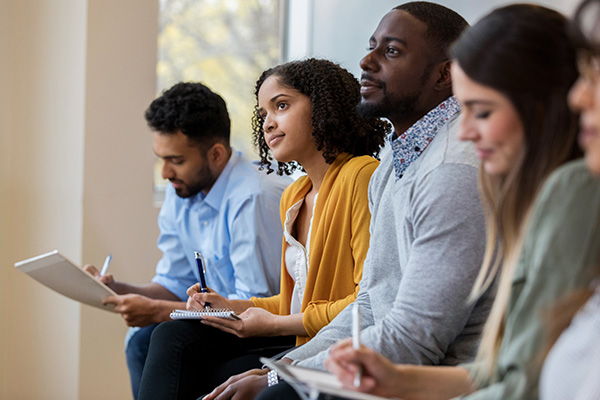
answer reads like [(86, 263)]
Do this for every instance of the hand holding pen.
[(101, 275)]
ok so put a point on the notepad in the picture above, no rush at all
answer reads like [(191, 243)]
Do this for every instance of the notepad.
[(308, 383), (214, 312), (55, 271)]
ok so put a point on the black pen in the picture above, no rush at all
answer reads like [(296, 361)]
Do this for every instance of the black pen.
[(202, 271)]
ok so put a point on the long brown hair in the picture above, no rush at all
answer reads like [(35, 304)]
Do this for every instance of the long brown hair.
[(524, 52)]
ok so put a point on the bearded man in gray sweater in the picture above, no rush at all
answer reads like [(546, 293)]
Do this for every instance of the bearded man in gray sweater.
[(427, 226)]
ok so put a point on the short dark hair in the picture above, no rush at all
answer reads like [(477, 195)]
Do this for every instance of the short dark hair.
[(444, 25), (334, 94), (193, 109)]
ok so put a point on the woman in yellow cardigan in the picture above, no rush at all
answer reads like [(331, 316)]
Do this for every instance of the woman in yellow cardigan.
[(305, 118)]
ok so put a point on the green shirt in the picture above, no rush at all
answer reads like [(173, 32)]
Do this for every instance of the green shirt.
[(561, 248)]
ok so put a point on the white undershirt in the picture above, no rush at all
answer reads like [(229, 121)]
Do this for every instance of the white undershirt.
[(296, 255)]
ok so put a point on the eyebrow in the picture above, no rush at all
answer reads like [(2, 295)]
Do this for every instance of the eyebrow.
[(171, 157), (388, 39), (274, 99), (475, 102)]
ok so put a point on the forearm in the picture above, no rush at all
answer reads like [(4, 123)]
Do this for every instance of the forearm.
[(239, 306), (288, 325), (417, 382), (151, 290), (163, 309)]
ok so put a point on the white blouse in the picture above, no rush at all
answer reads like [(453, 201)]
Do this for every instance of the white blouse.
[(296, 255), (571, 370)]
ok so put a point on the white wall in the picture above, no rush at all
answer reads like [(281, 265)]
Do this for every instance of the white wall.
[(76, 174), (44, 94)]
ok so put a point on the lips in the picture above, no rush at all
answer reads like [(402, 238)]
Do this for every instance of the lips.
[(273, 139), (587, 135), (370, 84), (483, 153), (176, 184)]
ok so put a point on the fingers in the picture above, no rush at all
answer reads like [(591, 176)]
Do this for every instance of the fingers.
[(111, 300), (90, 269), (192, 290), (106, 279), (221, 388), (193, 305), (232, 327), (215, 300)]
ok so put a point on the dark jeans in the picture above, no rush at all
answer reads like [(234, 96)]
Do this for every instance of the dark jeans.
[(283, 391), (187, 359), (135, 353)]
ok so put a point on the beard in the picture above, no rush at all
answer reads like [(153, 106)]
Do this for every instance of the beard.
[(204, 180), (393, 106), (390, 105)]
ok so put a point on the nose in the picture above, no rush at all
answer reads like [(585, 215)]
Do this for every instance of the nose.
[(368, 62), (581, 95), (268, 123), (467, 131), (166, 171)]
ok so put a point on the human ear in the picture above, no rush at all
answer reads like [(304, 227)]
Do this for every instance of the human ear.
[(218, 154), (444, 81)]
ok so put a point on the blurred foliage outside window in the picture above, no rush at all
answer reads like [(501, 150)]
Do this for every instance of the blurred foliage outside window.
[(225, 44)]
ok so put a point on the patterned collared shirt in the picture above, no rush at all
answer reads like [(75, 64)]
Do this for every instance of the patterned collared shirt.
[(408, 146)]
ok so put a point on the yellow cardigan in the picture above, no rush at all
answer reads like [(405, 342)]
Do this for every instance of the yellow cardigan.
[(338, 243)]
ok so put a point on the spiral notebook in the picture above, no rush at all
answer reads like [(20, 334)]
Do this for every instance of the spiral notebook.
[(308, 383), (215, 312)]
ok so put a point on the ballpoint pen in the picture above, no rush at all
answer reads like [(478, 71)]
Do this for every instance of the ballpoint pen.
[(106, 264), (202, 271), (356, 339)]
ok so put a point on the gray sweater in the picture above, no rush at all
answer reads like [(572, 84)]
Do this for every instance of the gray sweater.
[(426, 248)]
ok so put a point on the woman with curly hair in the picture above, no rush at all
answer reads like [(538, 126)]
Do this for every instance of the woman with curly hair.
[(305, 118)]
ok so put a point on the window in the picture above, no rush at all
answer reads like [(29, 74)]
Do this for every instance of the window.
[(225, 44)]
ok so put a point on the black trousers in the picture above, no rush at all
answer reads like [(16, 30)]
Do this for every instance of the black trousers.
[(187, 359), (283, 391)]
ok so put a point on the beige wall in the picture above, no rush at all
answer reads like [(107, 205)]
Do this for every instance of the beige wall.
[(76, 174)]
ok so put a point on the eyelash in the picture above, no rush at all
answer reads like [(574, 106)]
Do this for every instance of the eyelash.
[(483, 115)]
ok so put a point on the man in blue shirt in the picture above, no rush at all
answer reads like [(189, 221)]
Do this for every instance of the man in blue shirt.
[(217, 203)]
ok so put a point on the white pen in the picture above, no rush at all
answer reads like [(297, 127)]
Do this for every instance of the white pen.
[(106, 264), (356, 339)]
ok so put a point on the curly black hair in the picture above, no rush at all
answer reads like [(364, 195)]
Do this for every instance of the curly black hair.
[(334, 94), (193, 109)]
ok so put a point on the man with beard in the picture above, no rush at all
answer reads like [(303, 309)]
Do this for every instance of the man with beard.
[(218, 204), (427, 225)]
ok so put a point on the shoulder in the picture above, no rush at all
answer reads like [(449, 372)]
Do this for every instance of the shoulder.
[(571, 177), (446, 148), (246, 179), (295, 191), (359, 167)]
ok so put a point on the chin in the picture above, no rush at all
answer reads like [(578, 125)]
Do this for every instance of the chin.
[(592, 160)]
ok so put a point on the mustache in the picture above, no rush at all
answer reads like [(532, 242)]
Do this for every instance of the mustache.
[(367, 77)]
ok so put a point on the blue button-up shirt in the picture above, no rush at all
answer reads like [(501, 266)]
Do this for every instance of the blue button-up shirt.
[(237, 228)]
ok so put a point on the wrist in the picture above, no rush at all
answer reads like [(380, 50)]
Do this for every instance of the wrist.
[(272, 378), (161, 309)]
